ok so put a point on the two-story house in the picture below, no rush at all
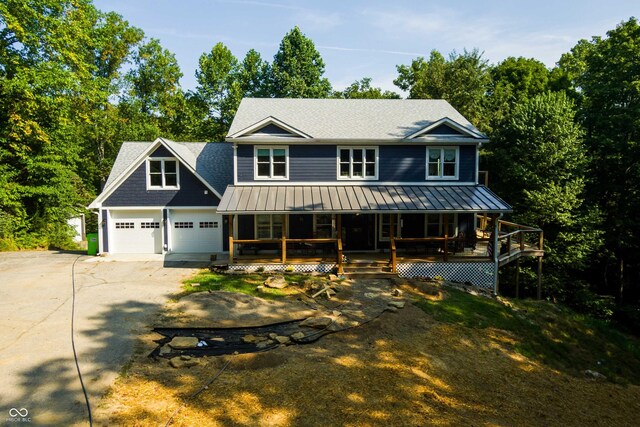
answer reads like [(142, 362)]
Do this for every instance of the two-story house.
[(304, 183)]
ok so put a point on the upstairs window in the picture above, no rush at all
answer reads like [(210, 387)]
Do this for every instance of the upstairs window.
[(272, 162), (357, 162), (442, 163), (162, 174)]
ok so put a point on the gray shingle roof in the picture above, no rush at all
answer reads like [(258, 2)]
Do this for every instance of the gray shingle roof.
[(360, 198), (129, 152), (213, 161), (376, 119)]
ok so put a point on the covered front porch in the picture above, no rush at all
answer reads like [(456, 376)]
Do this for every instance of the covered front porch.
[(410, 230)]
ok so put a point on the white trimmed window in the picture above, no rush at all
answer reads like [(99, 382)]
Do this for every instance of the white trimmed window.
[(435, 225), (162, 174), (359, 163), (323, 226), (271, 162), (268, 227), (385, 226), (442, 162)]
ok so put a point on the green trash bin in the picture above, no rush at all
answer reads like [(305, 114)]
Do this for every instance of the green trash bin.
[(92, 243)]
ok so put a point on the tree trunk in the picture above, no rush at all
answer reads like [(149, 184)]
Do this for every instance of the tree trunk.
[(621, 278)]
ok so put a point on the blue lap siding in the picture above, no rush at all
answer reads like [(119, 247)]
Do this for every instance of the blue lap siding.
[(318, 163), (133, 192)]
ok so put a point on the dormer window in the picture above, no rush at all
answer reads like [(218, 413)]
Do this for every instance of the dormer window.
[(271, 162), (442, 162), (162, 174)]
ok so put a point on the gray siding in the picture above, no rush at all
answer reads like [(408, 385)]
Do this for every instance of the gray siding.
[(105, 231), (133, 192), (443, 130), (225, 233), (244, 163), (306, 163), (317, 163), (467, 163), (402, 163), (162, 151), (165, 226)]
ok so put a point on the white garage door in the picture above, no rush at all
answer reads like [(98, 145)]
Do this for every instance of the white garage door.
[(196, 231), (136, 232)]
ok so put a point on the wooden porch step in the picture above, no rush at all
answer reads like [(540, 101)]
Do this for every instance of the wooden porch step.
[(368, 269), (370, 274)]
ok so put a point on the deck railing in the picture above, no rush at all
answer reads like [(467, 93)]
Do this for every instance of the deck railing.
[(282, 243), (515, 240)]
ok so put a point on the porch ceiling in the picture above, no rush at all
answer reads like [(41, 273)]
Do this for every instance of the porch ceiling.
[(247, 199)]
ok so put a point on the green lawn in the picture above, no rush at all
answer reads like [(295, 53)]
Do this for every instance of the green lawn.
[(242, 283), (552, 334)]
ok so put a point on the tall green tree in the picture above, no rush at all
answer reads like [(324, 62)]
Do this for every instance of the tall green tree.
[(222, 83), (538, 164), (154, 99), (58, 60), (610, 88), (512, 81), (362, 89), (462, 79), (297, 69)]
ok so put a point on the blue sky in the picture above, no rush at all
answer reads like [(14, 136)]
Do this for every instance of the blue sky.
[(368, 38)]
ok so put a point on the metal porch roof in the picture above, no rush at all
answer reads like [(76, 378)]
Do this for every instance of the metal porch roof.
[(247, 199)]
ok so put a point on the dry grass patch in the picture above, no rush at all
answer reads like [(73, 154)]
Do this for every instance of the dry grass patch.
[(404, 369)]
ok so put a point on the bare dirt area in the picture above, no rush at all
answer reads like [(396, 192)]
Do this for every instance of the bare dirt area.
[(400, 368)]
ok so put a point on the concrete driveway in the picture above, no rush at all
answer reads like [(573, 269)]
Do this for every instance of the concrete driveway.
[(114, 302)]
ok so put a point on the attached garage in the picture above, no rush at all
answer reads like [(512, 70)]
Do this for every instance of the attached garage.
[(194, 231), (136, 232)]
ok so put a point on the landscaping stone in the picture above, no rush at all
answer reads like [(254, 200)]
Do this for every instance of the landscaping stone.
[(165, 350), (181, 363), (396, 292), (397, 304), (392, 309), (297, 336), (264, 344), (333, 278), (185, 357), (593, 375), (249, 339), (176, 363), (273, 335), (184, 342), (316, 322), (282, 339), (277, 282)]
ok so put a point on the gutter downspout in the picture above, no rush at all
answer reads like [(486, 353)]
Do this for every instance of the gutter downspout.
[(496, 253)]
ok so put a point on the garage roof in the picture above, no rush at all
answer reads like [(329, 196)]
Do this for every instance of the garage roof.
[(211, 160)]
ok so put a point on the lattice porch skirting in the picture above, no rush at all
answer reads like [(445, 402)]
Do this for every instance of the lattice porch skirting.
[(297, 268), (480, 274)]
